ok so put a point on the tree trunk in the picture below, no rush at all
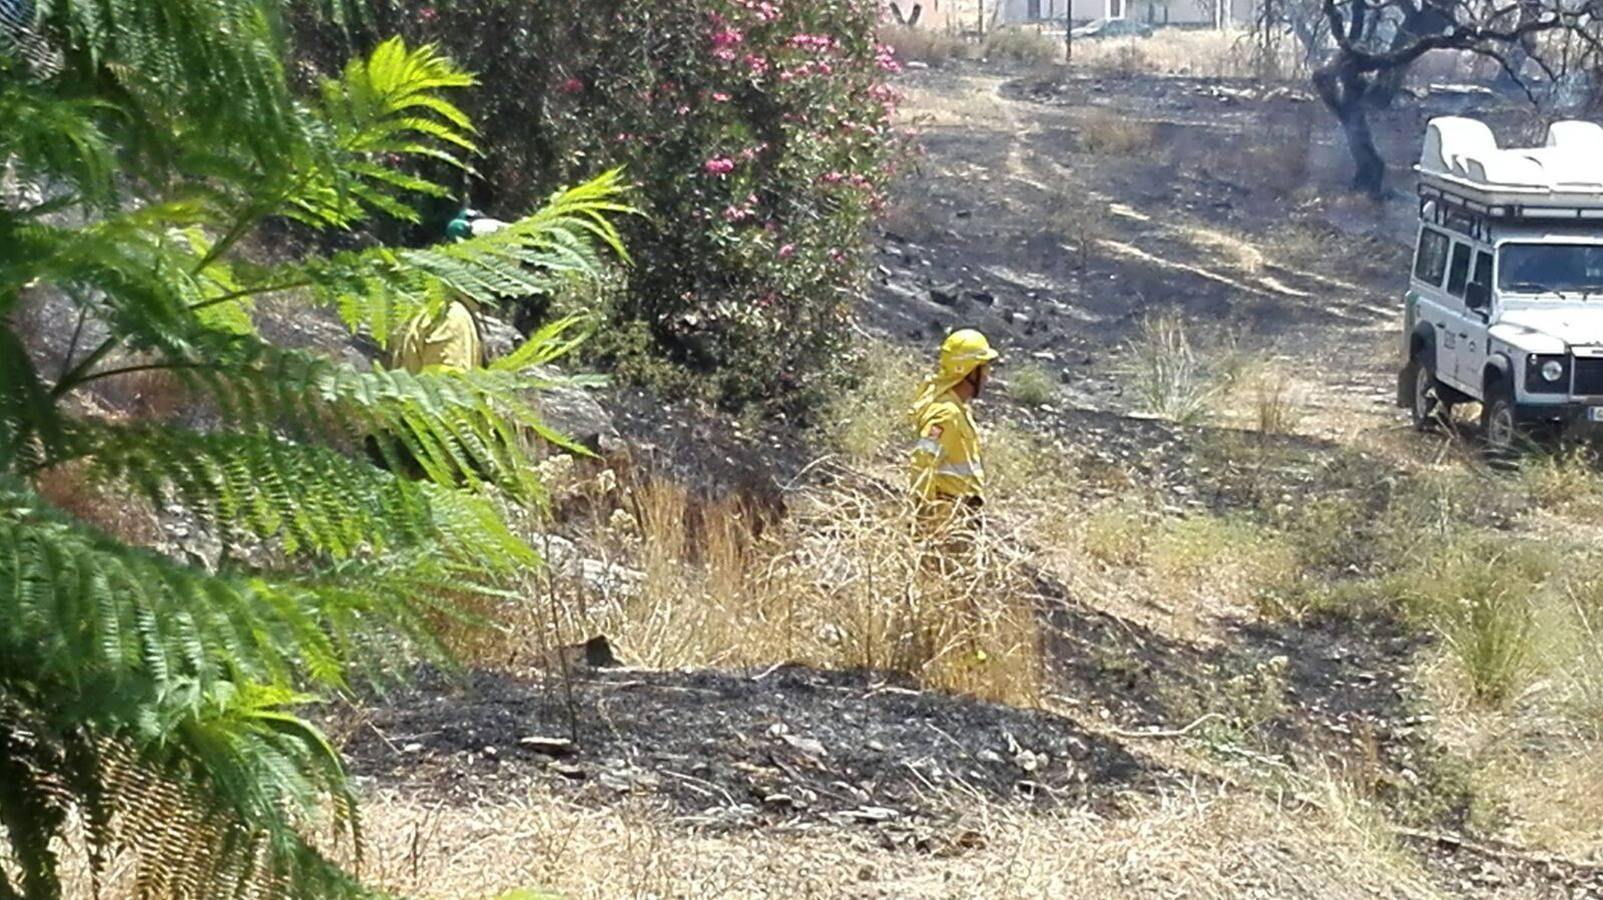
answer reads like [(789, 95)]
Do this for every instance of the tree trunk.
[(1342, 88)]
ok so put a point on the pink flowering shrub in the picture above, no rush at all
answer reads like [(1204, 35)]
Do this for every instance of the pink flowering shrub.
[(759, 135)]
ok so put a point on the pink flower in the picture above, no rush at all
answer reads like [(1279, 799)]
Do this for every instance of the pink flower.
[(724, 54), (720, 97), (427, 14), (727, 38), (757, 64), (787, 251), (572, 86), (719, 165)]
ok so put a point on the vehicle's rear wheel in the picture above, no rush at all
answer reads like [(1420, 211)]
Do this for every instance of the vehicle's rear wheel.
[(1500, 427), (1428, 410)]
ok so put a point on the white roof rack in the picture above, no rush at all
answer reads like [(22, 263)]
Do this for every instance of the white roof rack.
[(1563, 179)]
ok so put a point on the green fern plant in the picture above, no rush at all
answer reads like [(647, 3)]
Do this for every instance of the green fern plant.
[(148, 144)]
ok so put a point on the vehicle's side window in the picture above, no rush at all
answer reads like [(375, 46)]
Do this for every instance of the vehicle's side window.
[(1458, 275), (1483, 270), (1431, 262)]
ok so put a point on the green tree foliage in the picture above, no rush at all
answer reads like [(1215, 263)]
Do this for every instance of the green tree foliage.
[(150, 147), (760, 138)]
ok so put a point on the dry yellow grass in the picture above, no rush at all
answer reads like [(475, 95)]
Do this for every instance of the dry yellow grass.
[(853, 577), (1201, 53), (1192, 846), (1108, 132)]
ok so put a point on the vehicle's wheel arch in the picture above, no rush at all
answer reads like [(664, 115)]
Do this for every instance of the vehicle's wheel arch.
[(1498, 371), (1422, 344)]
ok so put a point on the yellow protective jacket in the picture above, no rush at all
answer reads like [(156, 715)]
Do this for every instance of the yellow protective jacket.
[(946, 460), (450, 341)]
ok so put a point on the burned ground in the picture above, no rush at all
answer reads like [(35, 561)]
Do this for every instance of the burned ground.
[(755, 748)]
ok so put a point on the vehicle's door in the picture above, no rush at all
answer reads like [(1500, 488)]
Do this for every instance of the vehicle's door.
[(1430, 297), (1472, 340), (1454, 338)]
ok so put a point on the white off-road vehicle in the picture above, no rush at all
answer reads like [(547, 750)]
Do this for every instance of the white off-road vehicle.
[(1505, 305)]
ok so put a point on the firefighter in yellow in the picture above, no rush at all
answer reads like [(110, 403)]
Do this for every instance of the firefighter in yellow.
[(947, 473), (448, 341)]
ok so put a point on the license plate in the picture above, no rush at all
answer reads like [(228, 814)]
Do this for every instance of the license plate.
[(1594, 414)]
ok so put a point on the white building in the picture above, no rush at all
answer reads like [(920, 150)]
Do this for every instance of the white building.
[(968, 15)]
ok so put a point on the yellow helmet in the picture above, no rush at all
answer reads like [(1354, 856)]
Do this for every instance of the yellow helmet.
[(963, 351)]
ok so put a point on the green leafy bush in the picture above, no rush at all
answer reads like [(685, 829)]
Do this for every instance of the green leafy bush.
[(760, 138)]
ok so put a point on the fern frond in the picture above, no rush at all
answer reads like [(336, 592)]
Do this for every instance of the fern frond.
[(380, 288), (216, 62), (309, 499), (46, 135)]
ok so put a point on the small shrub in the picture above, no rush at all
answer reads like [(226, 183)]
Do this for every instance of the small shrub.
[(1562, 480), (1018, 463), (1584, 662), (926, 45), (870, 416), (1167, 375), (1079, 218), (1479, 594), (1276, 407), (1023, 45), (1032, 385), (1490, 629), (1116, 536), (1107, 132), (1125, 60), (1229, 558)]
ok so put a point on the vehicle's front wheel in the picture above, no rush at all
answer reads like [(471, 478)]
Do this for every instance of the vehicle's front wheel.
[(1500, 428), (1428, 409)]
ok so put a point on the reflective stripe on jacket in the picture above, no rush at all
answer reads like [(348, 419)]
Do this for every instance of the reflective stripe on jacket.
[(946, 459)]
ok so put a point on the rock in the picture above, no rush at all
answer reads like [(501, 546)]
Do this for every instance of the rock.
[(984, 297), (498, 335), (609, 579), (945, 294), (573, 413), (807, 745), (595, 653), (872, 814), (549, 746)]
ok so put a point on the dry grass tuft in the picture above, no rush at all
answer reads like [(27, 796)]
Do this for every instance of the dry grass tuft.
[(1168, 375), (120, 513), (1080, 218), (1198, 53), (1107, 132), (856, 576), (866, 422), (1032, 385), (1022, 45), (925, 45)]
